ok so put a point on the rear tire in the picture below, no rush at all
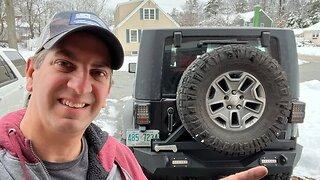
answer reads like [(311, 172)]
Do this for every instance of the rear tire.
[(235, 100)]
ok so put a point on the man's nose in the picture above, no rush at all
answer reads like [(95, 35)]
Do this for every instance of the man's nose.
[(80, 82)]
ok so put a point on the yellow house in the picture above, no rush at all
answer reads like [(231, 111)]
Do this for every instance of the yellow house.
[(312, 34), (134, 16)]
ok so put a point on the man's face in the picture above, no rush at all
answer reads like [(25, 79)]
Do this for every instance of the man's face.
[(71, 85)]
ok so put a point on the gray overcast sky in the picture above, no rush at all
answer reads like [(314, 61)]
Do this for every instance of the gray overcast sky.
[(166, 5)]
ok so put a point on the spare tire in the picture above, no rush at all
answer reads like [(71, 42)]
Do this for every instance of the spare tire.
[(235, 100)]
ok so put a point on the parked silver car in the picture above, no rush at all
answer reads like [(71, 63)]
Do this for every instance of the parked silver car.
[(13, 94)]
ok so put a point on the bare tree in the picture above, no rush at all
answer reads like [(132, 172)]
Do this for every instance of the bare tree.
[(175, 14), (11, 27), (192, 13), (223, 13), (2, 19), (54, 6), (284, 13), (99, 7), (212, 7), (31, 12), (36, 13)]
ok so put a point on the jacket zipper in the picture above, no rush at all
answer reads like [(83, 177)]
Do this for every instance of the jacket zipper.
[(42, 164)]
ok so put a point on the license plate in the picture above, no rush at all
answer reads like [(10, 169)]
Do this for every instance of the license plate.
[(136, 138)]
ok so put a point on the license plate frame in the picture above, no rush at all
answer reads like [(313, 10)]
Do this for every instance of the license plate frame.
[(137, 138)]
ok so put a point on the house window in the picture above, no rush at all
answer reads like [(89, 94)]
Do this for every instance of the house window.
[(133, 35), (134, 53), (149, 13)]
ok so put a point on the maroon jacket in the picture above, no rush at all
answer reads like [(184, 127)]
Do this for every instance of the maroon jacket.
[(104, 152)]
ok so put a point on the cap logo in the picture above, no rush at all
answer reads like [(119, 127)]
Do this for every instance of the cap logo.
[(85, 19)]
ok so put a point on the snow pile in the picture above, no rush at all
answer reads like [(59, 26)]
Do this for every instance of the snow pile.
[(310, 51), (302, 62), (309, 165), (313, 27), (109, 116)]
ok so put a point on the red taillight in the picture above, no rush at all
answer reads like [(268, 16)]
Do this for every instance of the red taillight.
[(298, 112), (142, 113)]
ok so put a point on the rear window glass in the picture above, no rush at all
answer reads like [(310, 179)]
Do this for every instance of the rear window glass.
[(18, 61), (177, 59)]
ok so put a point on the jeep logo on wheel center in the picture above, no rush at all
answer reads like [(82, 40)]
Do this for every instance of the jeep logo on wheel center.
[(212, 102)]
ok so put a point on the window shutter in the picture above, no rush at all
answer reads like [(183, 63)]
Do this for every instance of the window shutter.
[(139, 35), (141, 13), (157, 14), (128, 35)]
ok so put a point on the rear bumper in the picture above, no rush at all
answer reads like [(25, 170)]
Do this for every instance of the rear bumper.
[(206, 163)]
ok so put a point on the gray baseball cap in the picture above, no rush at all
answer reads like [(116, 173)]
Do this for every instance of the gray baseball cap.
[(63, 24)]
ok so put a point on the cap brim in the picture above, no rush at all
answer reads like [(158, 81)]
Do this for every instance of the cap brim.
[(114, 45)]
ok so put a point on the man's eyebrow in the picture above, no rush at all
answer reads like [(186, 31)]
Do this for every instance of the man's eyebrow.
[(66, 53), (101, 65)]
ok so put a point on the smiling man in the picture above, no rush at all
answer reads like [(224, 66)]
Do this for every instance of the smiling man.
[(70, 78)]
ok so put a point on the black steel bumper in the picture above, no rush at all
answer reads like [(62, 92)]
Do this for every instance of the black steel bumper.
[(206, 163)]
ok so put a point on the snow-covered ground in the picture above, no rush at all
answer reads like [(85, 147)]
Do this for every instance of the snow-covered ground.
[(309, 131), (309, 165), (302, 62), (311, 51)]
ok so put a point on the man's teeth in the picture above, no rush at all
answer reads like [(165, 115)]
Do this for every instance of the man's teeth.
[(72, 104)]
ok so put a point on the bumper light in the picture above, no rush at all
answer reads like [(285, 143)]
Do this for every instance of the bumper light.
[(184, 162), (268, 161)]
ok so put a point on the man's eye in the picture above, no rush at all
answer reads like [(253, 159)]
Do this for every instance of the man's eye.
[(64, 65), (99, 74)]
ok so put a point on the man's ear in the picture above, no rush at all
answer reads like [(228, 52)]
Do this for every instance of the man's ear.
[(29, 74)]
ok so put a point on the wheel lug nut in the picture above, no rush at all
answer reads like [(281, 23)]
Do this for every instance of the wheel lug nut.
[(241, 97), (229, 107), (226, 97), (239, 106), (233, 92)]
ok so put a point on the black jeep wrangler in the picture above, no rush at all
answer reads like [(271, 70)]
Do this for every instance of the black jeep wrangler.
[(211, 102)]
